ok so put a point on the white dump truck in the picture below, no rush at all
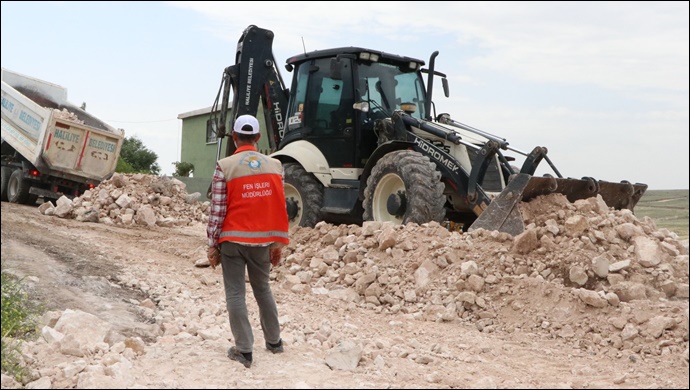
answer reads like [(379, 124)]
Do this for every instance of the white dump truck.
[(51, 147)]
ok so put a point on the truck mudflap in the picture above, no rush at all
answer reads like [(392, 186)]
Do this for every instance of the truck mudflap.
[(503, 213)]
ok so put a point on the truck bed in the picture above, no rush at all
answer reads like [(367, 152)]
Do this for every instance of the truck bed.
[(55, 136)]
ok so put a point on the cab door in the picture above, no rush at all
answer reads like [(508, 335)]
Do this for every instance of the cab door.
[(326, 112)]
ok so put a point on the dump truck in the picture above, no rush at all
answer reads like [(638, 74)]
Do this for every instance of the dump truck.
[(51, 147), (360, 140)]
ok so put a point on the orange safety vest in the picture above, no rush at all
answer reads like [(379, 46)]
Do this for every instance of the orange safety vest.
[(256, 212)]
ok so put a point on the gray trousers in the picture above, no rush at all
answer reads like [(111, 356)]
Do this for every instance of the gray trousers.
[(234, 258)]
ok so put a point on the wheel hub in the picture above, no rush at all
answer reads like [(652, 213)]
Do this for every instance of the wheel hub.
[(292, 208), (396, 204)]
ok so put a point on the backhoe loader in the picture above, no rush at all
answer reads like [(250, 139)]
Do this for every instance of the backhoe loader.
[(360, 140)]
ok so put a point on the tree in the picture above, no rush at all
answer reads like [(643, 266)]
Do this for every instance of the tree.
[(124, 167), (183, 169), (139, 158)]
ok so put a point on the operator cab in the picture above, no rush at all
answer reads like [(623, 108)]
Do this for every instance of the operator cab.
[(337, 94)]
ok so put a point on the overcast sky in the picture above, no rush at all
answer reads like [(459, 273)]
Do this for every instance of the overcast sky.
[(602, 85)]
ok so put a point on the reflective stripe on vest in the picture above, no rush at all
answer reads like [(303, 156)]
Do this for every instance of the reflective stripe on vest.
[(238, 233)]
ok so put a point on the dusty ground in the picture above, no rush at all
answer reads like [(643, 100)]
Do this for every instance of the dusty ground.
[(521, 331)]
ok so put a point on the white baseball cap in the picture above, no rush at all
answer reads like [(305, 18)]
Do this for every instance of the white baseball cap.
[(245, 120)]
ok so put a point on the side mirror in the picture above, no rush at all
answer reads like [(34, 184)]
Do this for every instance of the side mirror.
[(446, 89), (336, 73), (337, 64)]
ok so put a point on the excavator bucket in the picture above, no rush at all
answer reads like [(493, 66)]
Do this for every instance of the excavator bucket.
[(503, 213)]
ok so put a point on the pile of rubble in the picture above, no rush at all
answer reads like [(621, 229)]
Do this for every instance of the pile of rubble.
[(580, 271), (602, 281), (133, 199), (64, 114), (600, 278)]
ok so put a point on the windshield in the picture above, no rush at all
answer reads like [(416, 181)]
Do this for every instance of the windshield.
[(386, 87)]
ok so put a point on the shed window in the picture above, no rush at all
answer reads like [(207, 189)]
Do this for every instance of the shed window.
[(211, 131)]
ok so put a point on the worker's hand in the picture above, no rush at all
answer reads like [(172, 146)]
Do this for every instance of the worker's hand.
[(213, 256), (276, 254)]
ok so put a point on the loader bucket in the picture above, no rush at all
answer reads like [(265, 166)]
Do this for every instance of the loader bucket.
[(621, 195), (503, 213)]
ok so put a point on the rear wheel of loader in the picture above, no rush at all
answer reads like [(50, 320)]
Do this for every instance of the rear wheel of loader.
[(303, 195), (404, 187)]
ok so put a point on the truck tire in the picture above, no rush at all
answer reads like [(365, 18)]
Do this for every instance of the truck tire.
[(18, 188), (404, 187), (305, 195), (31, 199), (6, 173)]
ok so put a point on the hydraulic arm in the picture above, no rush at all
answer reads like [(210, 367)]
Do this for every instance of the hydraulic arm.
[(253, 78)]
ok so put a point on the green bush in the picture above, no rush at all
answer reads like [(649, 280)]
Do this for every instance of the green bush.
[(183, 169), (19, 314), (124, 167), (139, 157)]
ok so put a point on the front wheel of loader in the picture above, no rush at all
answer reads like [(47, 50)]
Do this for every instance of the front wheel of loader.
[(303, 196), (404, 187)]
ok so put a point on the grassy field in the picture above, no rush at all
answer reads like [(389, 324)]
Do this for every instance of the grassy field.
[(668, 208)]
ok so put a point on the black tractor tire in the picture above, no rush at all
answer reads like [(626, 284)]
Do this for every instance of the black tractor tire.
[(6, 173), (18, 188), (409, 180), (306, 193)]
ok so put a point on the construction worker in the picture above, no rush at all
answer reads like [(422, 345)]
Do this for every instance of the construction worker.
[(247, 227)]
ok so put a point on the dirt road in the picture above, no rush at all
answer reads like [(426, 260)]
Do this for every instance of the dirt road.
[(142, 282)]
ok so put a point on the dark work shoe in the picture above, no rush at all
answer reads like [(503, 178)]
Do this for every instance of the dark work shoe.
[(244, 358), (275, 348)]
